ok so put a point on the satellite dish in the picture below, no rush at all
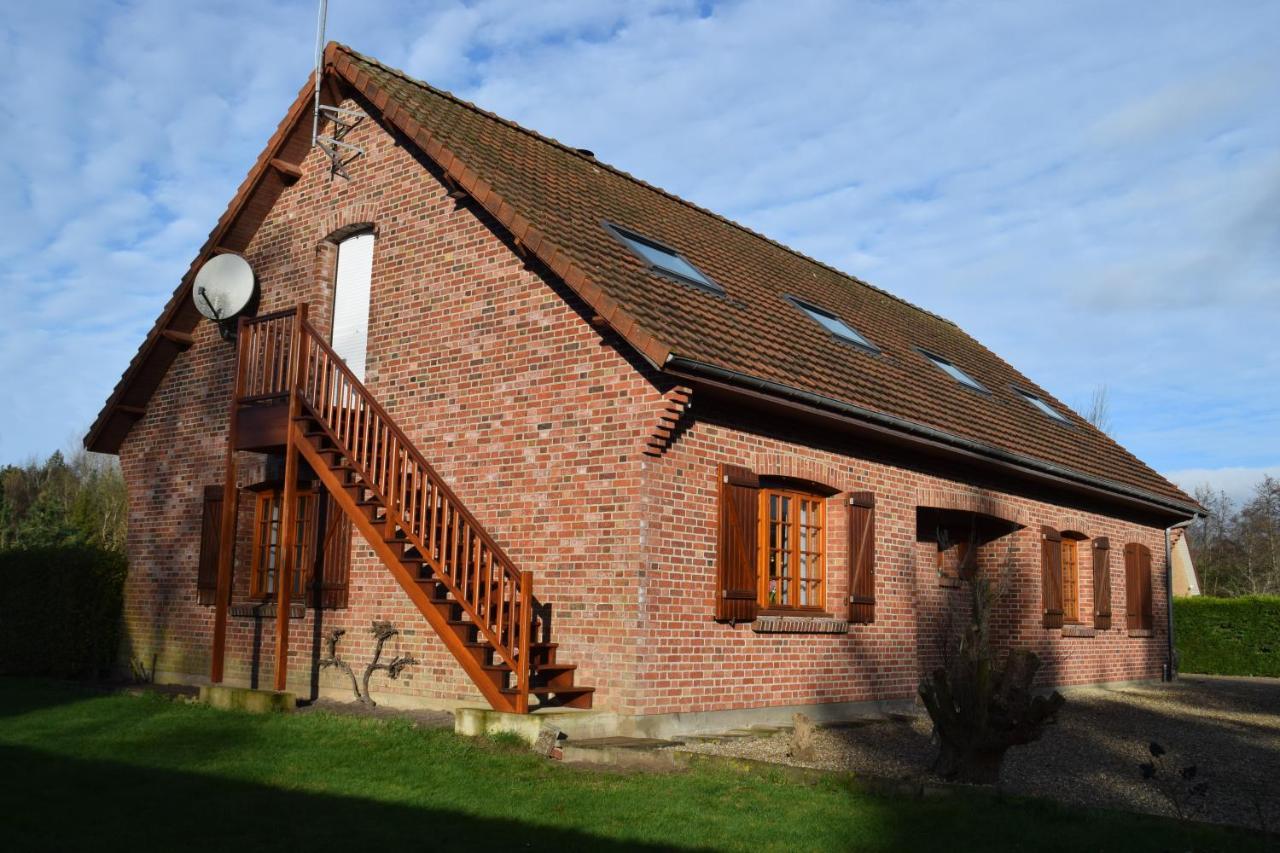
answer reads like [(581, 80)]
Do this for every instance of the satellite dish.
[(223, 287)]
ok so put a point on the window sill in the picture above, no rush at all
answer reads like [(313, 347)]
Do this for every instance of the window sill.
[(1078, 630), (793, 623), (266, 609), (796, 612), (1141, 632)]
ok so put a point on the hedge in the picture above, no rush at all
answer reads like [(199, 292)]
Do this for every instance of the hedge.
[(1228, 636), (60, 610)]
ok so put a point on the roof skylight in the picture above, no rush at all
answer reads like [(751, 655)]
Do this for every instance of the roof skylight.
[(954, 372), (1042, 405), (664, 259), (834, 325)]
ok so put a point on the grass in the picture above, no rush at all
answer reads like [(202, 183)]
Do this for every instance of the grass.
[(1228, 636), (82, 770)]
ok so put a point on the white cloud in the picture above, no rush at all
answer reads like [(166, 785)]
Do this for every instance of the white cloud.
[(1238, 483)]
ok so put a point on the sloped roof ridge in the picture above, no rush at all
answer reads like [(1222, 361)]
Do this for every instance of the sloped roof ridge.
[(576, 152)]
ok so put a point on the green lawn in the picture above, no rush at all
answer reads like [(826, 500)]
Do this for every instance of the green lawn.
[(81, 770)]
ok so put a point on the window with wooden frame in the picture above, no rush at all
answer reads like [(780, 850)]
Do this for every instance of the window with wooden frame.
[(267, 536), (792, 569)]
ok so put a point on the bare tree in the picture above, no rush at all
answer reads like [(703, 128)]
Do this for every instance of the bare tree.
[(1237, 552), (1099, 411)]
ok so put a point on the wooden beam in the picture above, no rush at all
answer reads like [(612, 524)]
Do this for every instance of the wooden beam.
[(184, 340), (227, 542), (287, 170), (289, 500), (284, 558), (136, 411), (456, 192)]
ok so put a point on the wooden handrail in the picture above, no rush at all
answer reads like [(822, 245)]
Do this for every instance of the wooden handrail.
[(460, 553)]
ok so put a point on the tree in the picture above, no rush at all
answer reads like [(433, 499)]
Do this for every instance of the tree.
[(1237, 552), (63, 502)]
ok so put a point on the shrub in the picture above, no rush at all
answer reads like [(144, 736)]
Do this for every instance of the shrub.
[(60, 610), (1228, 636)]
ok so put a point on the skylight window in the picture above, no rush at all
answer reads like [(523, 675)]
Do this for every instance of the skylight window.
[(834, 325), (664, 259), (954, 372), (1042, 406)]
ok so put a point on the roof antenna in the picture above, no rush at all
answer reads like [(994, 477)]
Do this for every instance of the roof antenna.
[(340, 153)]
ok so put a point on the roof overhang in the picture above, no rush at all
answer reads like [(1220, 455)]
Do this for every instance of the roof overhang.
[(806, 406)]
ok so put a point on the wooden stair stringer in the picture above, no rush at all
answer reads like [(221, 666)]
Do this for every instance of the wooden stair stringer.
[(373, 535)]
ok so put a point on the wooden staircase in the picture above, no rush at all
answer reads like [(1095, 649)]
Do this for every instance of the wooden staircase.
[(475, 599)]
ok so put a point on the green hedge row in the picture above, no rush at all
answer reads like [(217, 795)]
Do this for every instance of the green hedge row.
[(1228, 636), (60, 610)]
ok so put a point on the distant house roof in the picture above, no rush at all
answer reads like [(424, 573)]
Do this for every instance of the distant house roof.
[(701, 291)]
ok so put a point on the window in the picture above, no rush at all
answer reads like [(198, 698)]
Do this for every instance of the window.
[(267, 537), (1070, 581), (351, 292), (834, 325), (664, 259), (1042, 405), (792, 554), (954, 372)]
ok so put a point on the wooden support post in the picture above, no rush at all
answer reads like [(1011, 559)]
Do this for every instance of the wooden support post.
[(526, 628), (227, 536), (289, 503)]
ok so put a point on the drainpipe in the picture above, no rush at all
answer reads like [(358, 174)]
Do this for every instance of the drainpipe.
[(1170, 666)]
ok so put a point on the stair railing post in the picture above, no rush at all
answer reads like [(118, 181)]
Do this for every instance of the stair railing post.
[(526, 628), (393, 485), (289, 502)]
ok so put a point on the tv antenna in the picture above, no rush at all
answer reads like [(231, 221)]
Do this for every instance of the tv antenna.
[(339, 152)]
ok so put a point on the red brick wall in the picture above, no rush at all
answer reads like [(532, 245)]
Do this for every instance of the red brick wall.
[(530, 414), (539, 422), (696, 663)]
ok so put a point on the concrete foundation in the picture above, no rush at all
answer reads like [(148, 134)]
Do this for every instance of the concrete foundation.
[(473, 721), (243, 699)]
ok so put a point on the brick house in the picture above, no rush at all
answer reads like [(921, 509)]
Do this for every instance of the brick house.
[(583, 443)]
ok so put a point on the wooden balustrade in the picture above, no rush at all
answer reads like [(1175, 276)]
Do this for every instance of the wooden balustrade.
[(265, 355)]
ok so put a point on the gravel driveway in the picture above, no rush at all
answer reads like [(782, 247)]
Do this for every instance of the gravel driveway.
[(1228, 727)]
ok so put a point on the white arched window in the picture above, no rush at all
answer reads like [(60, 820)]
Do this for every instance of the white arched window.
[(351, 291)]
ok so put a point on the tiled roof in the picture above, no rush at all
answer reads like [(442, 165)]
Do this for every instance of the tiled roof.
[(752, 329)]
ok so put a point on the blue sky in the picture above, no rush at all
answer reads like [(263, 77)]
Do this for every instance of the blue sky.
[(1090, 188)]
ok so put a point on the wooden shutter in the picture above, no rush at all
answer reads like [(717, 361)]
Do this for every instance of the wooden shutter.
[(736, 554), (1137, 582), (333, 553), (1102, 583), (1051, 576), (862, 557), (210, 539)]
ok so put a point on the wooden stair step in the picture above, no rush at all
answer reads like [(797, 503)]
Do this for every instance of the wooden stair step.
[(569, 697)]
